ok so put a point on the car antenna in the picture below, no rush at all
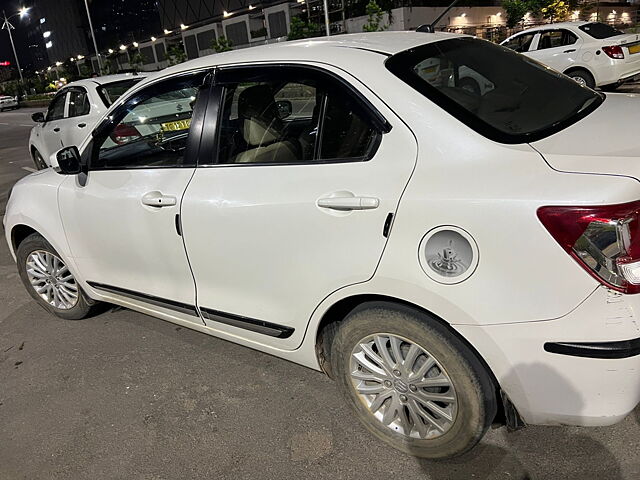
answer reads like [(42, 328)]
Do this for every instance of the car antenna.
[(431, 27)]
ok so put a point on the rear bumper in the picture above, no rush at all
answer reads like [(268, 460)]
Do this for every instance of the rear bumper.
[(580, 369)]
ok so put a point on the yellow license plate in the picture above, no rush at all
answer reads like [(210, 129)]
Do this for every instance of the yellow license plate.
[(634, 48), (176, 126)]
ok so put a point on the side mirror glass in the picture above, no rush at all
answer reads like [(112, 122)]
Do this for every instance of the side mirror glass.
[(68, 160), (285, 108), (37, 117)]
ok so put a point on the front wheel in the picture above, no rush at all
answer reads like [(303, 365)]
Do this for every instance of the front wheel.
[(411, 382), (48, 280)]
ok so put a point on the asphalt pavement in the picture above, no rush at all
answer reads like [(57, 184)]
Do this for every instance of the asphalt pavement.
[(125, 396)]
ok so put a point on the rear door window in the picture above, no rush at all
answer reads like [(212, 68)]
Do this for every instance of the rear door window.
[(292, 116), (556, 38)]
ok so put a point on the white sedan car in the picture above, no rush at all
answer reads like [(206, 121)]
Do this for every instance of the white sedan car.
[(450, 257), (592, 53), (73, 111), (7, 102)]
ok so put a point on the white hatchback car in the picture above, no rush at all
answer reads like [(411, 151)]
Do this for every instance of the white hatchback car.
[(8, 102), (449, 257), (73, 111), (592, 53)]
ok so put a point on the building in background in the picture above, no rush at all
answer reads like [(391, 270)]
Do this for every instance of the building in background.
[(118, 21), (37, 57), (64, 28)]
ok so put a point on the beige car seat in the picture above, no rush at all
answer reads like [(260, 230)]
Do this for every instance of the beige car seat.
[(262, 129)]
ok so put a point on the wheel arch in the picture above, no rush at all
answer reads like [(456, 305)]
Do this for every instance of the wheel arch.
[(336, 313), (19, 232), (575, 68)]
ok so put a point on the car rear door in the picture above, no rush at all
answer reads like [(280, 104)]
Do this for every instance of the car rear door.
[(557, 48), (292, 199)]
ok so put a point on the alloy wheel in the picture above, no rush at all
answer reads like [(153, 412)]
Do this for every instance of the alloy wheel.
[(51, 279), (403, 386)]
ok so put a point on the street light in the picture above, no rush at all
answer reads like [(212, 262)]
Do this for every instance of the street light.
[(7, 26), (93, 37)]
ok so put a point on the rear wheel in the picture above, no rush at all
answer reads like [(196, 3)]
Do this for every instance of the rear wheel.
[(48, 280), (583, 77), (411, 382)]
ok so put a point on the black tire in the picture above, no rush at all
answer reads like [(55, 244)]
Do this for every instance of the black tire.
[(470, 85), (36, 242), (582, 77), (38, 160), (472, 385)]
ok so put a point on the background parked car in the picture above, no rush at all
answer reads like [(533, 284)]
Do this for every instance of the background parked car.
[(73, 112), (7, 102), (592, 53)]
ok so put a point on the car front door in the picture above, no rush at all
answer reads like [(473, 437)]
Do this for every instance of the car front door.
[(294, 198), (120, 218), (558, 49)]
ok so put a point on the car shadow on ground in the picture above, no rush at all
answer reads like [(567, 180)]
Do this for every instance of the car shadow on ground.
[(534, 452)]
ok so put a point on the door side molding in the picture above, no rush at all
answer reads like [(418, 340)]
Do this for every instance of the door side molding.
[(258, 326), (150, 299)]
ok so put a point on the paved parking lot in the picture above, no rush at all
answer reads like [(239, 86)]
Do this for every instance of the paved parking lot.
[(125, 396)]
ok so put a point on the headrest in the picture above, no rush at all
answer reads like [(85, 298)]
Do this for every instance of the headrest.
[(259, 112)]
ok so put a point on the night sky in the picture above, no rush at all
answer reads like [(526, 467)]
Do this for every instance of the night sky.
[(11, 7)]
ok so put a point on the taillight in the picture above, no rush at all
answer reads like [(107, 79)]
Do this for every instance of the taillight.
[(605, 240), (124, 134), (614, 51)]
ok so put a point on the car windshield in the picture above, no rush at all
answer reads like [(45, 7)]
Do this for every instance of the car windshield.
[(600, 30), (110, 92), (501, 94)]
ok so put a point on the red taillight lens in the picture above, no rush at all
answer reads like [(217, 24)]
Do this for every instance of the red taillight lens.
[(614, 52), (124, 134), (605, 240)]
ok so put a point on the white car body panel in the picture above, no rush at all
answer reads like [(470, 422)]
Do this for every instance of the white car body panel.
[(586, 53), (505, 310), (590, 146)]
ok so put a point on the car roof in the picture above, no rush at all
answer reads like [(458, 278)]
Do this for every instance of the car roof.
[(548, 26), (118, 77), (387, 43)]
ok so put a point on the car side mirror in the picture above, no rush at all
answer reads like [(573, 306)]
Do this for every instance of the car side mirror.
[(68, 160), (37, 117), (285, 108)]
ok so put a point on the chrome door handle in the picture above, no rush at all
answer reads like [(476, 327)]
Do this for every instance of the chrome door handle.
[(349, 203), (157, 199)]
